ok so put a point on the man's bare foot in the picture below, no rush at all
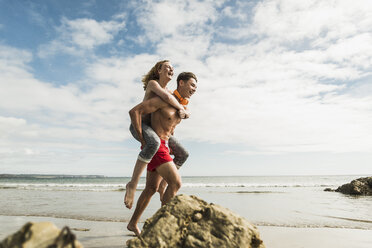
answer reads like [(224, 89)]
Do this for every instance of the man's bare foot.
[(130, 189), (161, 189), (134, 228)]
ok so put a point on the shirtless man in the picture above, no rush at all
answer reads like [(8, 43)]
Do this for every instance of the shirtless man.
[(164, 119)]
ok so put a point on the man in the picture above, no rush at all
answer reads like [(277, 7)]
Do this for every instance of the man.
[(164, 119)]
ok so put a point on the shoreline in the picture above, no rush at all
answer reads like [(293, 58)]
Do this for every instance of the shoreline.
[(125, 220), (114, 234)]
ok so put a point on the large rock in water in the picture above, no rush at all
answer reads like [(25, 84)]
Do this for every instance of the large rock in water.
[(187, 221), (360, 186), (41, 235)]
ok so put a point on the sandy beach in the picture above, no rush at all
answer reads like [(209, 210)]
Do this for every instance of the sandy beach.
[(95, 234), (289, 211)]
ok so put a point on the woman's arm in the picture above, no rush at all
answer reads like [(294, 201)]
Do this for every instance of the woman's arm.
[(164, 94)]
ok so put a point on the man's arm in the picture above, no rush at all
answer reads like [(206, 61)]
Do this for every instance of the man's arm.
[(146, 107)]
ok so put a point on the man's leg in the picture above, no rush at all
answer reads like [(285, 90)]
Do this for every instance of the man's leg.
[(163, 186), (161, 189), (180, 157), (169, 172), (152, 183), (131, 186)]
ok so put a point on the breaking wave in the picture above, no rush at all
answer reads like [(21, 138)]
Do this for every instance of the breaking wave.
[(102, 187)]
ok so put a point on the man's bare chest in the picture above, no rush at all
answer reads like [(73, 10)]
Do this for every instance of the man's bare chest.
[(170, 114)]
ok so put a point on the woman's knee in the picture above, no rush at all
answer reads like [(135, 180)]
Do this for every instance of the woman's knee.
[(180, 159), (154, 144), (185, 155), (133, 132)]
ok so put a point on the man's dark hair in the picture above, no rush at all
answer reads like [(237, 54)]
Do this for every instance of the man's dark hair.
[(185, 76)]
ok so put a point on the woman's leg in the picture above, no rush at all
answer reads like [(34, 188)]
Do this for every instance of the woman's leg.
[(179, 152), (144, 157)]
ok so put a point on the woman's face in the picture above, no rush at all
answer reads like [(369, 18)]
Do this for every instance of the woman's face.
[(166, 71)]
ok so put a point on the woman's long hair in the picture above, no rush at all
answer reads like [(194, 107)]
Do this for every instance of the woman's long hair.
[(153, 74)]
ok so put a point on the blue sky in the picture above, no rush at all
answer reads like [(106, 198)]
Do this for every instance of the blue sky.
[(285, 87)]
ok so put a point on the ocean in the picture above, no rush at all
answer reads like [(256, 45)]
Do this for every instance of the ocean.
[(283, 201)]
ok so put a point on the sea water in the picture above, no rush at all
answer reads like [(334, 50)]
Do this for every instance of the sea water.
[(288, 201)]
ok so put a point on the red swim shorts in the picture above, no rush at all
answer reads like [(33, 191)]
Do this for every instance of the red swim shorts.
[(161, 156)]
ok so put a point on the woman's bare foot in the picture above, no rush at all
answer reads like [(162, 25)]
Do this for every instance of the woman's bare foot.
[(130, 189), (161, 189), (134, 228)]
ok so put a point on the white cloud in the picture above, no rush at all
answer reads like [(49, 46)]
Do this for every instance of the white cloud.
[(235, 13), (167, 18), (185, 48), (59, 113), (355, 51), (10, 126), (290, 21), (12, 58), (88, 33), (29, 151), (77, 36)]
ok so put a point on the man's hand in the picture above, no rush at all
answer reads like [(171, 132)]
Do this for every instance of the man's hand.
[(184, 114)]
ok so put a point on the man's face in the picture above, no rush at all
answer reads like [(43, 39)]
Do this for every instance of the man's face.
[(188, 88), (166, 70)]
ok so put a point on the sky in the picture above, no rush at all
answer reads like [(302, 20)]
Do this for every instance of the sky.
[(284, 86)]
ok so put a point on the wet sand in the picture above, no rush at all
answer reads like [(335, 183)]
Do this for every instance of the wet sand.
[(94, 234), (293, 237)]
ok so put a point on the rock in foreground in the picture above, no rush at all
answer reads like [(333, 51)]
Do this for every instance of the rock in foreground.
[(360, 186), (41, 235), (188, 221)]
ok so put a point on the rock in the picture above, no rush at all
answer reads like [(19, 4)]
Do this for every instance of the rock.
[(329, 190), (187, 221), (360, 186), (41, 235)]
